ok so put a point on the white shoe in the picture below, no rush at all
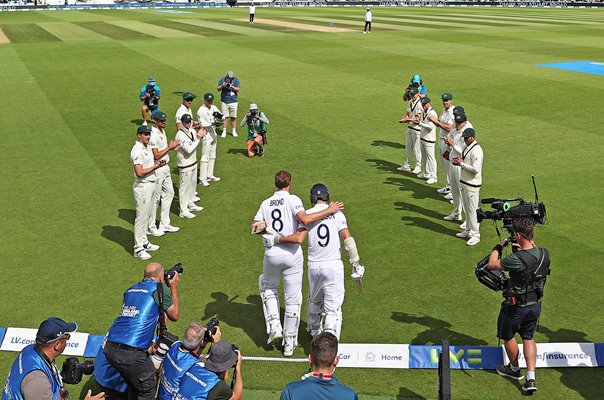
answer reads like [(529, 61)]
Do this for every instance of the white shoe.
[(404, 168), (452, 217), (422, 176), (187, 214), (275, 337), (288, 347), (235, 134), (196, 199), (449, 196), (153, 231), (150, 246), (463, 234), (444, 190), (416, 170), (169, 228), (364, 32), (142, 254), (204, 183), (473, 241), (195, 207), (213, 179), (223, 135), (463, 225), (431, 181)]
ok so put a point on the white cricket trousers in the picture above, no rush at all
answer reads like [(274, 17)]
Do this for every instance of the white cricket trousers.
[(442, 147), (470, 197), (164, 192), (208, 154), (454, 176), (412, 148), (187, 179), (143, 196), (326, 294), (428, 160)]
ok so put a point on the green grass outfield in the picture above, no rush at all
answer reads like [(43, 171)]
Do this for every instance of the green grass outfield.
[(69, 95)]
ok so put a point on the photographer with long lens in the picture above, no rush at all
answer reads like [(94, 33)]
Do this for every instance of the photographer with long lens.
[(34, 374), (209, 380), (128, 343), (256, 122), (528, 268), (149, 95), (183, 354)]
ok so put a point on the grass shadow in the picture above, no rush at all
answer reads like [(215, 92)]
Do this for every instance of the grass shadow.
[(418, 187), (385, 143), (437, 330), (136, 121), (127, 215), (243, 152), (384, 166), (407, 394), (119, 235)]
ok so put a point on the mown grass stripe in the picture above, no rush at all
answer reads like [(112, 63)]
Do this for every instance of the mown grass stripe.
[(240, 27), (113, 31), (153, 30), (67, 31), (378, 25), (194, 29), (28, 33), (524, 19), (3, 38)]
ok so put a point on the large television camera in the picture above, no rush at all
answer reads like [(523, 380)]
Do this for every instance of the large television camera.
[(504, 211)]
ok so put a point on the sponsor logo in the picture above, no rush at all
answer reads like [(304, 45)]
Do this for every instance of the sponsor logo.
[(471, 356), (130, 311)]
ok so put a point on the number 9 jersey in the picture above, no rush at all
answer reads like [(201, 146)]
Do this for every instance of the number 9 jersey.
[(279, 212), (324, 237)]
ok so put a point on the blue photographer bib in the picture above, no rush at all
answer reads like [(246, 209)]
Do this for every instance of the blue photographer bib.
[(140, 314), (105, 374), (27, 361), (196, 383), (176, 364)]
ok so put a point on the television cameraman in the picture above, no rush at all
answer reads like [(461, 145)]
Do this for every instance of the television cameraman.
[(130, 338), (209, 381), (149, 95), (34, 374), (181, 356), (528, 268)]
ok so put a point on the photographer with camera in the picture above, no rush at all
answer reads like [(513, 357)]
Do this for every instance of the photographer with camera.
[(256, 131), (321, 383), (149, 95), (470, 179), (416, 82), (183, 354), (127, 347), (34, 374), (210, 118), (209, 381), (528, 268), (229, 87)]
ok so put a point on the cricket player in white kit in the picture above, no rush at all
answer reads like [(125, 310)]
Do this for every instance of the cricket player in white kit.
[(445, 122), (189, 139), (281, 214), (144, 167), (414, 109), (206, 117), (427, 137)]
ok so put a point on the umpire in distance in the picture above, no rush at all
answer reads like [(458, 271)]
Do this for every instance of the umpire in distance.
[(528, 269)]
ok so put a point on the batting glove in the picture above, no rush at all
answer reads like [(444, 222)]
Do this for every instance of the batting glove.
[(270, 238), (357, 271)]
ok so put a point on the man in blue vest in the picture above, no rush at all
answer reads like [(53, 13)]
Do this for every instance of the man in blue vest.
[(129, 339), (181, 357), (208, 382), (321, 383), (34, 374)]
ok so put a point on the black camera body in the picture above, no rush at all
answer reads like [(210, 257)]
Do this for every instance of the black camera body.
[(218, 117), (211, 327), (253, 113), (73, 371), (169, 274), (228, 81)]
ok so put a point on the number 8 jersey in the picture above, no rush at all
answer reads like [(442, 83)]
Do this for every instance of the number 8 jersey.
[(324, 235), (279, 212)]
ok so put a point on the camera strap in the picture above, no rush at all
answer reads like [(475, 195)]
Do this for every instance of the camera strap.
[(161, 327)]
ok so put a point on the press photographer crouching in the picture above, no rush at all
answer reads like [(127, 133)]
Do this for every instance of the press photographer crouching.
[(34, 374), (183, 354), (209, 381), (124, 366), (528, 268)]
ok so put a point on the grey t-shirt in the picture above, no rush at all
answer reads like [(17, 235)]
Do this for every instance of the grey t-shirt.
[(36, 386)]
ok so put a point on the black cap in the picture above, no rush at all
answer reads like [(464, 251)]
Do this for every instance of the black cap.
[(222, 357), (460, 117), (208, 96), (425, 100), (186, 118), (413, 90), (159, 115), (188, 96), (458, 110), (468, 133), (53, 329)]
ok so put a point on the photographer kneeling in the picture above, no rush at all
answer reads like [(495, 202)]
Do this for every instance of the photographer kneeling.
[(182, 355), (34, 374), (528, 268), (256, 122), (124, 360), (209, 381)]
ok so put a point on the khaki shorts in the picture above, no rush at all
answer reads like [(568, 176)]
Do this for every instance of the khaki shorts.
[(229, 109)]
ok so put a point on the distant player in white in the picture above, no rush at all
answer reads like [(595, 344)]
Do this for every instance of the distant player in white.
[(325, 267), (281, 214), (252, 12)]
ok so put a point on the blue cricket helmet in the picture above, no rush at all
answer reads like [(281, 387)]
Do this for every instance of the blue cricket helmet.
[(318, 192)]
